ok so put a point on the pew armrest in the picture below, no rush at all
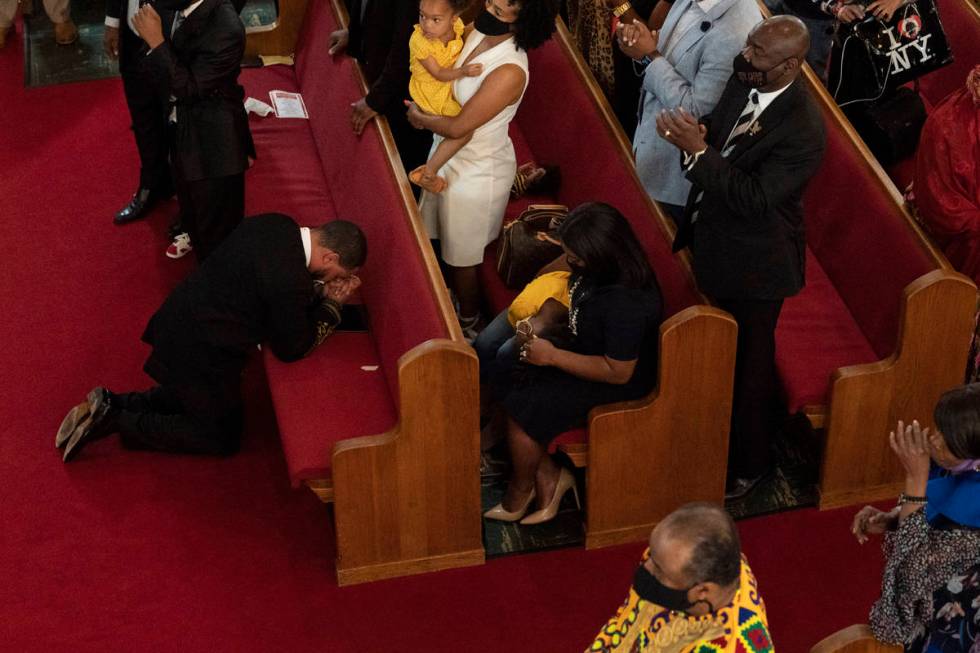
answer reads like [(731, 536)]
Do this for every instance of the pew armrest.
[(696, 368), (854, 639), (408, 500), (935, 329)]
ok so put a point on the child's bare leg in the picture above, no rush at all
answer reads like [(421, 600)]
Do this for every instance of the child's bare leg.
[(447, 149)]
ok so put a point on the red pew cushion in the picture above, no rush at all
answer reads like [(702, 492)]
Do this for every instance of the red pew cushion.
[(325, 398), (816, 335), (862, 242), (287, 177), (396, 287)]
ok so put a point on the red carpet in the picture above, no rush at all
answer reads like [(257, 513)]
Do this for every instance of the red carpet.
[(138, 552)]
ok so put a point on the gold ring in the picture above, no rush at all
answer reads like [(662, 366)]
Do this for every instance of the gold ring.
[(667, 133)]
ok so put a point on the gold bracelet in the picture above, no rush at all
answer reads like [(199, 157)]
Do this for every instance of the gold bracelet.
[(622, 9)]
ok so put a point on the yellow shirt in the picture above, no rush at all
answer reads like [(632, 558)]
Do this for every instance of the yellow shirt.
[(431, 95), (553, 285)]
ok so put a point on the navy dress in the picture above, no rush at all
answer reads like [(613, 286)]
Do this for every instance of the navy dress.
[(615, 321)]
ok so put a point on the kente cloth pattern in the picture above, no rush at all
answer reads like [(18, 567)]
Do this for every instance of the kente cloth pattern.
[(641, 626), (430, 94)]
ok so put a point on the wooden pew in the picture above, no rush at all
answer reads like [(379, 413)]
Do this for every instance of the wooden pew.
[(854, 639), (279, 38), (640, 456), (384, 424)]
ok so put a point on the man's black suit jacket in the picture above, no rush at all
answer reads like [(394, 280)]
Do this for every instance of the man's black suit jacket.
[(255, 288), (380, 43), (748, 241), (198, 65)]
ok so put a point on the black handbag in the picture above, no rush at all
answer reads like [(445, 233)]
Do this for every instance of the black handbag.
[(871, 58), (908, 46), (892, 126)]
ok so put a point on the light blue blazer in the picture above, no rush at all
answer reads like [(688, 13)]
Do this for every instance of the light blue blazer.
[(692, 75)]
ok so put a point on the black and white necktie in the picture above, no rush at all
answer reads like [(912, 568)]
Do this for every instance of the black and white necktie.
[(178, 21), (742, 125)]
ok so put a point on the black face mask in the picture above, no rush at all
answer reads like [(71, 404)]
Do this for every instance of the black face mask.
[(748, 75), (487, 23), (171, 5), (650, 589)]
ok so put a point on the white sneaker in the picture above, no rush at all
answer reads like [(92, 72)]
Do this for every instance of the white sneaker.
[(180, 247)]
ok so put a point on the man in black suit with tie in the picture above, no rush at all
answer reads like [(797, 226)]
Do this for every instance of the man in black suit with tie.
[(262, 285), (196, 68), (147, 111), (750, 164), (378, 37)]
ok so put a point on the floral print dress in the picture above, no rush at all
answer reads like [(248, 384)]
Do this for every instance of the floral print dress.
[(956, 621)]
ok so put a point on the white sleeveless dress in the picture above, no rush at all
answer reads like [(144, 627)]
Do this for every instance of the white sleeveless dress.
[(467, 216)]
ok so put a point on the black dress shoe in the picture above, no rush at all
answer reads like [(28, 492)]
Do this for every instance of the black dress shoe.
[(143, 200), (739, 488), (98, 424)]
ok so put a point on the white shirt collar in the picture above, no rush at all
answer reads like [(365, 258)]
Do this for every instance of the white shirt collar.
[(187, 12), (765, 99), (304, 234)]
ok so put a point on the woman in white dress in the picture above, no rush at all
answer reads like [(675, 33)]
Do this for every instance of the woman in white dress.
[(467, 216)]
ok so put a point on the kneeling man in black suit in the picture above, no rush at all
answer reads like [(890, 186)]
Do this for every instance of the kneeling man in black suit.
[(750, 162), (270, 282)]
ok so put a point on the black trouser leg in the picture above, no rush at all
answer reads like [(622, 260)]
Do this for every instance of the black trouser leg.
[(413, 144), (210, 209), (755, 385), (148, 113), (206, 418)]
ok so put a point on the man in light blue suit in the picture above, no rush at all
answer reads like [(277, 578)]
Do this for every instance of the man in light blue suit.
[(688, 64)]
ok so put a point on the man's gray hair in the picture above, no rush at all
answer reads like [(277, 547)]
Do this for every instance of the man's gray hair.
[(716, 552)]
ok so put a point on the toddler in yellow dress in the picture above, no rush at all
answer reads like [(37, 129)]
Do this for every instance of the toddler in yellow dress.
[(433, 48)]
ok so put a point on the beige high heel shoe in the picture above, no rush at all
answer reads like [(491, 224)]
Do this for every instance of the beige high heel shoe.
[(566, 482), (499, 514)]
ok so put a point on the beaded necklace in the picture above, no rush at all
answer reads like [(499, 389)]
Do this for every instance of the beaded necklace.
[(573, 313)]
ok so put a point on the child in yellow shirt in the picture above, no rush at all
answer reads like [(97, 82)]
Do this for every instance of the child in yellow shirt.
[(433, 48)]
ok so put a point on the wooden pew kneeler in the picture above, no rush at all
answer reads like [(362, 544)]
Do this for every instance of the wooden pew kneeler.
[(854, 639)]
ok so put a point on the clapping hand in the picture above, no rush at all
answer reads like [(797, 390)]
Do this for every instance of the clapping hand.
[(911, 445), (884, 9), (871, 521), (682, 130), (850, 13), (341, 288), (636, 40)]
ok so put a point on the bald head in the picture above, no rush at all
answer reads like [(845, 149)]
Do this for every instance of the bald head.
[(711, 539), (786, 36)]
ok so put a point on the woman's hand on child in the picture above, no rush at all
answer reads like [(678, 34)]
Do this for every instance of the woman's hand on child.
[(472, 69), (538, 351), (415, 115)]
